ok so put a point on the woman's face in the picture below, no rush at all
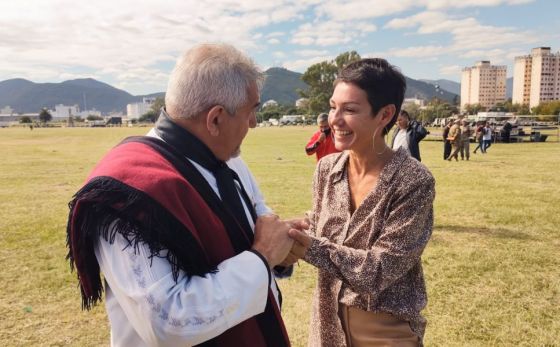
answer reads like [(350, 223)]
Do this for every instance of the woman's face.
[(351, 118)]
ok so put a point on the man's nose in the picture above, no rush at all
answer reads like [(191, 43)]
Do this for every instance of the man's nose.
[(253, 120)]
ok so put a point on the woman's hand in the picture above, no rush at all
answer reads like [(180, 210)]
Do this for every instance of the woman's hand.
[(301, 241)]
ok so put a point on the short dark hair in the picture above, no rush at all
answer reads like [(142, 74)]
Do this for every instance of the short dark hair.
[(404, 114), (383, 83)]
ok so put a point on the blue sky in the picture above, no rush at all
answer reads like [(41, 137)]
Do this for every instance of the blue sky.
[(133, 44)]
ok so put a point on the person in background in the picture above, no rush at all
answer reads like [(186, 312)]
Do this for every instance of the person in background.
[(446, 142), (321, 143), (478, 137), (486, 137), (408, 135), (466, 133), (455, 138)]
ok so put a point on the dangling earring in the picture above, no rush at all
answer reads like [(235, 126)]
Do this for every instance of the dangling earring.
[(373, 147)]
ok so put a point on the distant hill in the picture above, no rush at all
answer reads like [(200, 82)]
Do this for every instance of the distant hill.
[(450, 86), (25, 96), (280, 84), (425, 90)]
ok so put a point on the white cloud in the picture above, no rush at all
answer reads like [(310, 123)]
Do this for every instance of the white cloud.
[(276, 34), (135, 43), (329, 33), (344, 10), (105, 36), (303, 64), (450, 70), (467, 33), (311, 52), (417, 52), (279, 54)]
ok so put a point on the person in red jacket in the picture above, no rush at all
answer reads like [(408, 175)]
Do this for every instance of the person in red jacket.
[(321, 143)]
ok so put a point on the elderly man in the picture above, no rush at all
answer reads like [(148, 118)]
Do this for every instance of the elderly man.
[(321, 143), (180, 233)]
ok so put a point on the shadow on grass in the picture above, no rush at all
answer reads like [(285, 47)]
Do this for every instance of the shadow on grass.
[(497, 232)]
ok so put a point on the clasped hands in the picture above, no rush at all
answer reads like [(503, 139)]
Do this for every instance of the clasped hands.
[(281, 242)]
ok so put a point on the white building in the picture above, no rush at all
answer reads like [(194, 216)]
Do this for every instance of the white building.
[(414, 101), (483, 84), (92, 112), (536, 77), (269, 103), (135, 110), (7, 110), (302, 102), (64, 111)]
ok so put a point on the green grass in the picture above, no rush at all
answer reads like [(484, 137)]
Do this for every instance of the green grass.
[(492, 266)]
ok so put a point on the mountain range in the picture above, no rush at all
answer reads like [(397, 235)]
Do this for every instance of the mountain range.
[(281, 85)]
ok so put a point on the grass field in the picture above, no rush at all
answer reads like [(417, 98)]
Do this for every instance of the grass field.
[(492, 266)]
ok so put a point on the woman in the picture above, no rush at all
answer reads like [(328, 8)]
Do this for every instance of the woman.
[(372, 217)]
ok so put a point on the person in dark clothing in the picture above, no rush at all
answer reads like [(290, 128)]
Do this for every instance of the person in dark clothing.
[(408, 134), (478, 137), (446, 142), (506, 132)]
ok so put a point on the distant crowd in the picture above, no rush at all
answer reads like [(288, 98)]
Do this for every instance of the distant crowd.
[(457, 136)]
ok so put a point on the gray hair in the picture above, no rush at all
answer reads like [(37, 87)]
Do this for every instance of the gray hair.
[(208, 75), (322, 117)]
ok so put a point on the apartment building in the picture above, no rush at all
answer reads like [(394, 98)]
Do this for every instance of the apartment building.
[(536, 77), (137, 109), (483, 84)]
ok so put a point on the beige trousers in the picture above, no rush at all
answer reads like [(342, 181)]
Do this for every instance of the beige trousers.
[(374, 329)]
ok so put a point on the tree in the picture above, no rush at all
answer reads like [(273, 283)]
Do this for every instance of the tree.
[(320, 78), (456, 100), (412, 109), (158, 104), (45, 116), (547, 108), (93, 117), (25, 120), (276, 111), (474, 108), (346, 58), (150, 116)]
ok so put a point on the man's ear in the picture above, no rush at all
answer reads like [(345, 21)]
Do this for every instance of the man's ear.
[(214, 119)]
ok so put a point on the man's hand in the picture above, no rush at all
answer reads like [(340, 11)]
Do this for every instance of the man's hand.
[(322, 138), (302, 241), (271, 239), (298, 249)]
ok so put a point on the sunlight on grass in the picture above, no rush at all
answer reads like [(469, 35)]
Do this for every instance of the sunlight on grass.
[(492, 266)]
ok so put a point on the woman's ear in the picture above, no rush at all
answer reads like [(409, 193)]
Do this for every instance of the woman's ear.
[(387, 113), (214, 119)]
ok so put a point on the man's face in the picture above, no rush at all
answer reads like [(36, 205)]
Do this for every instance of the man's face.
[(238, 125), (323, 126), (402, 122)]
